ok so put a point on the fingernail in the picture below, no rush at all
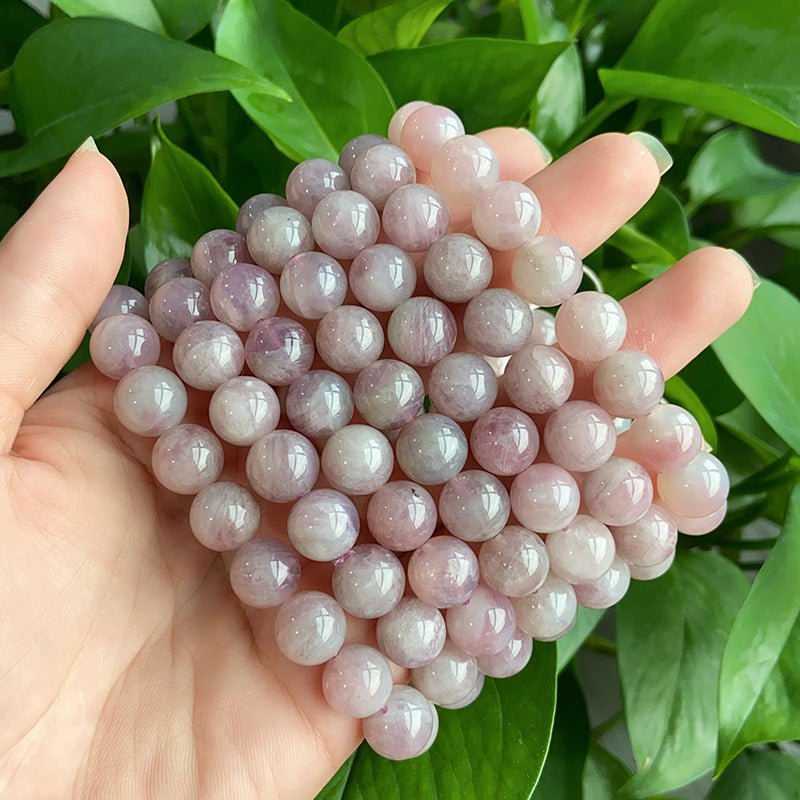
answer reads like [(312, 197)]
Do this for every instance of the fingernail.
[(88, 146), (756, 277), (655, 148), (548, 156)]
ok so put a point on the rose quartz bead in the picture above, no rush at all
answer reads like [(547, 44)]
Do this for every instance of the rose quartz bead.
[(186, 459), (122, 343), (696, 490), (504, 441), (319, 403), (242, 294), (414, 217), (177, 304), (506, 215), (651, 573), (277, 234), (484, 624), (425, 130), (582, 552), (356, 146), (208, 353), (357, 459), (344, 223), (282, 466), (382, 276), (697, 526), (399, 119), (549, 612), (511, 660), (388, 394), (404, 728), (214, 251), (264, 572), (628, 384), (224, 516), (368, 581), (401, 515), (538, 379), (474, 506), (164, 272), (608, 589), (580, 436), (279, 350), (449, 677), (312, 284), (497, 322), (379, 170), (121, 299), (412, 634), (544, 327), (254, 206), (443, 572), (457, 268), (431, 449), (649, 540), (462, 168), (323, 525), (312, 180), (590, 326), (150, 400), (545, 498), (463, 386), (310, 628), (244, 409), (357, 681), (470, 697), (421, 331), (515, 562), (618, 492), (349, 338), (668, 438), (546, 271)]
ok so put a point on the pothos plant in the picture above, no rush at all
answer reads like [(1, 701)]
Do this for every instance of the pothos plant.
[(707, 656)]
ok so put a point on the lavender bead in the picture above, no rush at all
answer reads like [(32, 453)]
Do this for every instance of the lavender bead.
[(208, 353), (497, 322), (312, 180), (484, 624), (356, 146), (312, 284), (379, 170), (404, 728), (667, 439), (121, 300), (649, 540), (388, 394), (310, 628), (177, 304), (651, 573), (401, 515), (443, 572), (357, 681), (122, 343), (150, 400), (282, 466), (382, 276), (243, 294), (549, 612), (276, 235), (463, 386), (506, 215), (457, 268), (349, 338), (608, 589), (544, 327), (254, 206), (414, 217), (511, 660), (504, 441), (515, 562), (368, 581), (470, 697), (546, 271), (545, 498), (425, 130), (431, 449), (474, 506), (617, 493), (279, 350), (214, 251), (538, 379), (224, 516), (462, 168), (186, 459), (264, 573), (357, 459), (243, 410), (449, 677), (399, 119), (412, 634), (164, 272), (696, 490), (344, 223), (421, 331), (697, 526), (628, 384), (579, 436), (319, 403), (582, 552), (323, 525), (590, 326)]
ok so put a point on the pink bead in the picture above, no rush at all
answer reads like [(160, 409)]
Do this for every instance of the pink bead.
[(474, 506), (696, 490), (264, 572), (580, 436), (356, 146), (368, 581), (165, 271), (414, 217), (282, 466), (422, 331), (279, 350), (401, 515), (511, 660), (463, 386), (186, 459), (651, 573), (357, 459), (310, 628), (344, 223), (149, 400), (121, 299), (538, 379), (425, 130), (122, 343), (312, 284), (649, 540), (277, 234), (667, 439), (206, 354), (216, 250), (608, 589), (178, 303), (412, 634), (224, 516), (404, 728), (349, 338), (254, 206), (388, 394), (244, 409), (312, 180), (462, 168), (382, 276), (399, 119), (618, 492), (323, 525), (590, 326), (431, 449), (582, 552), (457, 268), (546, 271), (243, 294), (470, 697), (506, 215), (443, 572), (319, 403), (449, 678), (504, 441), (628, 384), (549, 612), (697, 526), (545, 498), (497, 322), (484, 624), (379, 170), (515, 562), (544, 327), (357, 681)]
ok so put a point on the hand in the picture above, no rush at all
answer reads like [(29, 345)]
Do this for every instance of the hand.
[(128, 668)]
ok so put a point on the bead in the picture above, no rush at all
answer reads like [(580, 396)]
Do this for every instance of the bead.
[(379, 170), (484, 625), (206, 354), (357, 459), (279, 350), (579, 436), (264, 573), (244, 409), (546, 271), (497, 322), (254, 206), (462, 168), (310, 628), (422, 331), (277, 234), (618, 492), (243, 294), (608, 589), (349, 338), (368, 581), (474, 506), (312, 284), (457, 268), (401, 515), (649, 540), (425, 129), (312, 180), (545, 498), (504, 441), (506, 215), (399, 119), (214, 251), (164, 272), (697, 526), (667, 439), (590, 326), (123, 342), (404, 728), (696, 490), (470, 697), (628, 384), (121, 299), (388, 394), (651, 573), (224, 516), (431, 449), (511, 660), (549, 612), (414, 217), (357, 681), (538, 379), (582, 552), (449, 677), (356, 146), (150, 400), (177, 304), (544, 327), (463, 386), (323, 525), (382, 276), (515, 562), (319, 403), (412, 634), (443, 572), (282, 466), (186, 459), (344, 223)]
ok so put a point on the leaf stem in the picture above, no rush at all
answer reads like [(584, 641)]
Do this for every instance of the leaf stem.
[(746, 544), (604, 727), (599, 114), (599, 644)]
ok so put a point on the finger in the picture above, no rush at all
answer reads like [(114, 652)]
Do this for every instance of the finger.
[(56, 266)]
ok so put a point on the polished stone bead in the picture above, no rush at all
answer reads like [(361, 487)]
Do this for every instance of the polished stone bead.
[(421, 331), (545, 498), (344, 223), (264, 572), (165, 271), (243, 410), (310, 181), (628, 384), (515, 562), (546, 271), (121, 299), (651, 573), (357, 681), (399, 119), (401, 515), (186, 459), (608, 589), (388, 394), (579, 436), (457, 268), (254, 206), (214, 251), (696, 490), (382, 276), (443, 572), (208, 353), (379, 170), (511, 660), (356, 146), (319, 403), (484, 624), (323, 525), (667, 439), (618, 492), (462, 168), (414, 217), (357, 459), (549, 612), (150, 400), (279, 350), (425, 130), (224, 516), (506, 215), (474, 506), (282, 466), (404, 728), (243, 294), (277, 234), (312, 284), (178, 303), (431, 449), (122, 343), (582, 552), (538, 379), (697, 526), (497, 322), (412, 634), (463, 386), (368, 581), (310, 628), (449, 677), (504, 441), (349, 338), (590, 326), (649, 540), (544, 327)]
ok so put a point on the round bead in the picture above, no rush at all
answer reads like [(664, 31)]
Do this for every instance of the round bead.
[(242, 294), (310, 628), (431, 449), (484, 625), (549, 612), (511, 660), (401, 515), (379, 170), (538, 379), (545, 498), (422, 331), (344, 223), (651, 573), (497, 322), (462, 168), (667, 439), (323, 525), (208, 353), (404, 728), (150, 400), (312, 180), (618, 492), (244, 409), (368, 581), (399, 119), (457, 268), (382, 276), (425, 130), (697, 526), (224, 516), (186, 459), (474, 506), (515, 562), (412, 634), (582, 552), (357, 459), (254, 206), (414, 217), (264, 572), (471, 696), (628, 384), (349, 338), (504, 441), (178, 303), (277, 234), (696, 490), (282, 466), (546, 271), (544, 327), (319, 403), (608, 589), (463, 386), (388, 394), (164, 272), (121, 299), (449, 677), (649, 540), (356, 146), (357, 681), (590, 326), (443, 572), (122, 343), (214, 251), (506, 215), (278, 350), (312, 284), (579, 436)]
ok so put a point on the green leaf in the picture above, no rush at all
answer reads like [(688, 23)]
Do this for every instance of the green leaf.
[(776, 213), (679, 392), (759, 775), (60, 98), (671, 633), (334, 789), (714, 61), (759, 683), (182, 201), (19, 22), (587, 620), (335, 93), (326, 13), (399, 25), (760, 354), (603, 775), (497, 78), (749, 426)]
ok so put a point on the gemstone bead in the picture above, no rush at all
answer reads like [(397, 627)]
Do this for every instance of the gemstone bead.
[(582, 552), (224, 515), (431, 449), (457, 268), (122, 343), (483, 625), (264, 572), (282, 466), (379, 170), (590, 326), (254, 206), (319, 403), (462, 168), (356, 146), (667, 439), (474, 506), (150, 400), (449, 677), (388, 394), (608, 589), (279, 350), (414, 217), (368, 581), (628, 384), (186, 459), (545, 498), (546, 271), (401, 515), (404, 728), (399, 119), (206, 354), (651, 573), (425, 130), (497, 322), (515, 562), (310, 181), (463, 386), (538, 379), (323, 525), (580, 436), (312, 284), (443, 572), (277, 234), (696, 490), (511, 660), (216, 250), (422, 331), (412, 634), (382, 276), (504, 441), (618, 492), (697, 526), (349, 338), (121, 299), (549, 612), (244, 409), (544, 327), (357, 459), (242, 294), (506, 215), (165, 271), (357, 681), (310, 628), (178, 303), (649, 540), (344, 223)]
